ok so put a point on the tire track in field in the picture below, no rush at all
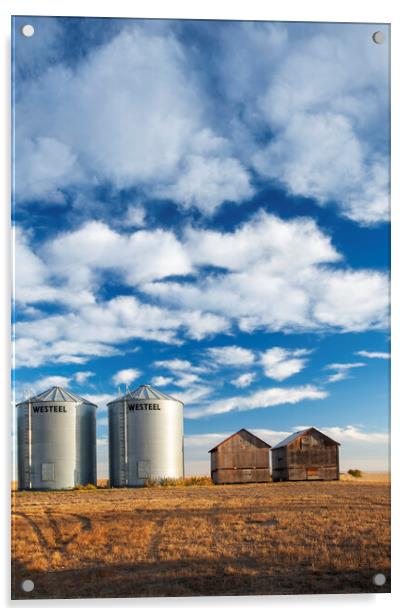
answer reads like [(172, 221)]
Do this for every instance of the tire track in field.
[(157, 536), (85, 521), (42, 540), (58, 543)]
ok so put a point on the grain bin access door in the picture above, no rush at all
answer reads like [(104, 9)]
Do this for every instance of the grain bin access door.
[(139, 469), (143, 469)]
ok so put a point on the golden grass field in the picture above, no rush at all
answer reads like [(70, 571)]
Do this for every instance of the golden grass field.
[(278, 538)]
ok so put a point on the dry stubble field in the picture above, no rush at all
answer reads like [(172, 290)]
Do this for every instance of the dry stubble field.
[(315, 537)]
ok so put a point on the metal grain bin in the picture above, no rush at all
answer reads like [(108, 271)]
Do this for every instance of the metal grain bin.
[(145, 437), (56, 439)]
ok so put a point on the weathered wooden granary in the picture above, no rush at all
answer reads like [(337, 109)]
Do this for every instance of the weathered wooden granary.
[(308, 454), (241, 458)]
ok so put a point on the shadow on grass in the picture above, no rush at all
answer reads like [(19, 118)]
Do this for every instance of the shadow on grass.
[(190, 578)]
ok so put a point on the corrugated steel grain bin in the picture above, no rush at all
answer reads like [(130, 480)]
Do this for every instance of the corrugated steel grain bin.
[(56, 440), (241, 458), (145, 437), (306, 455)]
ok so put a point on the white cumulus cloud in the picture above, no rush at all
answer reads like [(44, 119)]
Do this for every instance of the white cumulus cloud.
[(46, 382), (126, 376), (279, 364), (161, 381), (278, 275), (275, 275), (83, 376), (231, 356), (323, 104), (178, 365), (206, 179), (354, 433), (133, 113), (342, 371), (101, 400), (194, 394), (374, 354), (26, 389), (135, 216), (263, 398), (244, 380)]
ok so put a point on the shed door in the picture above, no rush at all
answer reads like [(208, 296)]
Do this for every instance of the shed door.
[(312, 473), (143, 469)]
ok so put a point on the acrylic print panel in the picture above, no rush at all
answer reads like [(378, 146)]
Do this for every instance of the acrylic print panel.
[(201, 228)]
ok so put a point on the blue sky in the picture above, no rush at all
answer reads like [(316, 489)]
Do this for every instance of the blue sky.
[(204, 206)]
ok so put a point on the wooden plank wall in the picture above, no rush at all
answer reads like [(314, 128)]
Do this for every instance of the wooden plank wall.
[(293, 461), (241, 475), (240, 460)]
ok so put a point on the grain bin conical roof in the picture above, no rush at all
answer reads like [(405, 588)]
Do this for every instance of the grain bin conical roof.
[(57, 394), (147, 392)]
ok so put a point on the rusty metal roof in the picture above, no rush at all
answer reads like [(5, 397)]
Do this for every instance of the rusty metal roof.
[(289, 439), (235, 433)]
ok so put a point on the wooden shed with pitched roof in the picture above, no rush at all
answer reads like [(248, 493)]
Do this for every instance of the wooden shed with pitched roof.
[(241, 458), (305, 455)]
